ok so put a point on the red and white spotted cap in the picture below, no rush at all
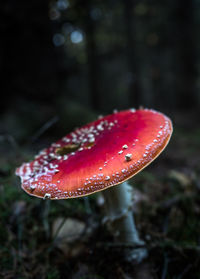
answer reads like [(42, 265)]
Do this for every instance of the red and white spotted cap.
[(98, 155)]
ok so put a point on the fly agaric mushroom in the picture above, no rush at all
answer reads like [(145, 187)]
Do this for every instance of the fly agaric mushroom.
[(97, 156)]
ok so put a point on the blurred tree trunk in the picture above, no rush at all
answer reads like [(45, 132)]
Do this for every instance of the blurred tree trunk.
[(30, 65), (186, 53), (134, 87), (93, 63)]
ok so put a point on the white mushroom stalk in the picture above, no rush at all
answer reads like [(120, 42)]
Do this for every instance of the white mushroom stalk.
[(121, 220)]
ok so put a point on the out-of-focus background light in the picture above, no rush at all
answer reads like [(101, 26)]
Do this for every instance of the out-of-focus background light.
[(76, 36)]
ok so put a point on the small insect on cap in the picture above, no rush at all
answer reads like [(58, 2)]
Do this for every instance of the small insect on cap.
[(98, 155)]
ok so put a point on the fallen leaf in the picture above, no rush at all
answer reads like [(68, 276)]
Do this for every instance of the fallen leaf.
[(181, 178), (69, 230), (67, 234)]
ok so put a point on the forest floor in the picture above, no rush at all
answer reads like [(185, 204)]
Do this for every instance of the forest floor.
[(167, 212)]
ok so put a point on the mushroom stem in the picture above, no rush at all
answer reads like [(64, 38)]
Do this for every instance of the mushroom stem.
[(120, 218)]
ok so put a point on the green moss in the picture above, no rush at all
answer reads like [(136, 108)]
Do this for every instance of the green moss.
[(53, 273)]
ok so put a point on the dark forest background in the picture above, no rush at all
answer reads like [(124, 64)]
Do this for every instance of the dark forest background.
[(63, 63), (72, 58)]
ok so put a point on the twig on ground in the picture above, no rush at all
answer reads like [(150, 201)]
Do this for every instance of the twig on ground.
[(184, 271), (44, 128), (45, 217), (11, 140), (165, 266)]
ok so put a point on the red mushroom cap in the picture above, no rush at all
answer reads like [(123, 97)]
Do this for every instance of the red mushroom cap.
[(101, 154)]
